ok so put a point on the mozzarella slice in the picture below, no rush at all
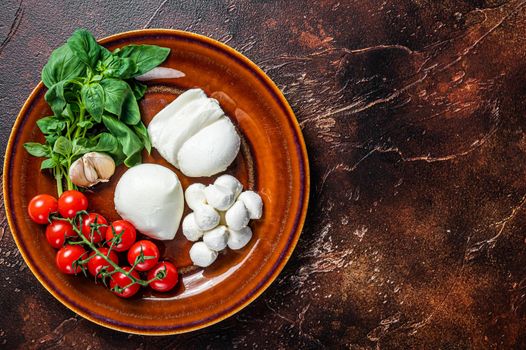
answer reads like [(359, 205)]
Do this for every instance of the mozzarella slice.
[(180, 120), (150, 196), (209, 151)]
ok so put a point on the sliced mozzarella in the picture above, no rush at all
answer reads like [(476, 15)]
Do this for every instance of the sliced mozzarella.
[(217, 238), (209, 151), (171, 133), (195, 195), (206, 217), (253, 203), (237, 216), (201, 255), (150, 196), (219, 197), (239, 239), (191, 231), (231, 183)]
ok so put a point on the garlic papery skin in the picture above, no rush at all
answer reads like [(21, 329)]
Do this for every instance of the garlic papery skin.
[(91, 168)]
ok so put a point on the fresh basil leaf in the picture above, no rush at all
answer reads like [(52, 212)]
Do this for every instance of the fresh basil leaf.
[(62, 146), (139, 89), (50, 125), (87, 124), (62, 65), (55, 97), (130, 113), (93, 99), (48, 164), (37, 149), (146, 57), (85, 47), (115, 92), (142, 132), (106, 143), (71, 111), (50, 139), (131, 144)]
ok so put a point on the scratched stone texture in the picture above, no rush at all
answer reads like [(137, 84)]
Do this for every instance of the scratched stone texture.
[(413, 113)]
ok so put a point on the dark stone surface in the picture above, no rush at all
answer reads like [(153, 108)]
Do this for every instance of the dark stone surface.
[(414, 115)]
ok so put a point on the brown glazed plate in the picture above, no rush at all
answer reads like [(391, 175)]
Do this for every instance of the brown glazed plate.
[(273, 161)]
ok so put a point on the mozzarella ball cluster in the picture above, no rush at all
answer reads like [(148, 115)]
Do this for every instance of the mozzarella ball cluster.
[(220, 217)]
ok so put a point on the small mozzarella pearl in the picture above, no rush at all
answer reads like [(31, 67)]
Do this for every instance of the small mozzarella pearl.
[(191, 231), (237, 216), (253, 203), (201, 255), (219, 197), (195, 195), (231, 183), (206, 217), (217, 238), (239, 239)]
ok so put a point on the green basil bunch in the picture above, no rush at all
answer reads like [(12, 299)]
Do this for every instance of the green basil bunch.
[(93, 96)]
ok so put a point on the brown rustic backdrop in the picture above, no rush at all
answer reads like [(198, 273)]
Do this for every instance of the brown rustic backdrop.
[(413, 113)]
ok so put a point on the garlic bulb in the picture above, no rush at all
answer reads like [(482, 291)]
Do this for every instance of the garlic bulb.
[(91, 168)]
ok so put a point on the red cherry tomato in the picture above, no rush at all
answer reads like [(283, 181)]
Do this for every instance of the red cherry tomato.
[(67, 255), (94, 218), (127, 235), (169, 271), (150, 253), (71, 202), (121, 280), (97, 263), (58, 231), (40, 207)]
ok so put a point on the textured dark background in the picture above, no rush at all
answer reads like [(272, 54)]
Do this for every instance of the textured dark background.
[(413, 112)]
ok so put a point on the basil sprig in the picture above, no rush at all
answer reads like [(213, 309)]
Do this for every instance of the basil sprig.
[(93, 96)]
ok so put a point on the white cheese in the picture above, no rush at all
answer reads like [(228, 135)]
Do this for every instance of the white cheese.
[(219, 197), (231, 183), (191, 231), (210, 151), (237, 216), (195, 195), (253, 203), (201, 255), (206, 217), (217, 238), (150, 196), (239, 239)]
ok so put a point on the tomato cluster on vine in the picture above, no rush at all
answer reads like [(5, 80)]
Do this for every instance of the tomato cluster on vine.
[(87, 243)]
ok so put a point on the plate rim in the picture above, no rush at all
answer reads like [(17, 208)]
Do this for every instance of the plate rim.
[(261, 287)]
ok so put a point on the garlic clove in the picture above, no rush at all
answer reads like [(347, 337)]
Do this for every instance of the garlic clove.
[(91, 168)]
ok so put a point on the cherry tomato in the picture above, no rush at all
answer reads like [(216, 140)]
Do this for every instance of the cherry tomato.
[(127, 235), (149, 251), (97, 263), (58, 231), (66, 256), (121, 280), (40, 207), (168, 281), (93, 218), (71, 202)]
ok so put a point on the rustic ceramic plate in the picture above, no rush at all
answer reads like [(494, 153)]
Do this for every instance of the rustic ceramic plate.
[(273, 162)]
